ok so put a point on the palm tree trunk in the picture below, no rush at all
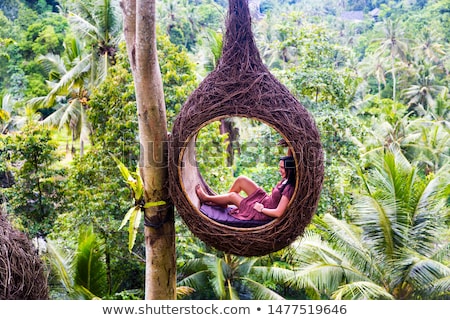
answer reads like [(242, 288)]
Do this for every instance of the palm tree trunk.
[(394, 80), (140, 37)]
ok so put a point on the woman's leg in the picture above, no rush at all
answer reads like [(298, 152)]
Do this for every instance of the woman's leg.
[(221, 199), (244, 184)]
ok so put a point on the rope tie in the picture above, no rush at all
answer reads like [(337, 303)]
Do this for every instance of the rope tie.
[(157, 221)]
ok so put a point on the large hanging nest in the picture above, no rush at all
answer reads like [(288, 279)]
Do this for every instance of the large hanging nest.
[(242, 86), (22, 275)]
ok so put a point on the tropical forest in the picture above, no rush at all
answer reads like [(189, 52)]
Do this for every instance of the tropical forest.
[(75, 205)]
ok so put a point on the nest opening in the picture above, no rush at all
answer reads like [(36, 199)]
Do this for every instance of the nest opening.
[(190, 176)]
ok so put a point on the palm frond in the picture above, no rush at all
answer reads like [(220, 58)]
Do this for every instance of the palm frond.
[(184, 291), (192, 265), (196, 280), (319, 276), (400, 161), (260, 292), (84, 28), (81, 292), (232, 292), (73, 49), (244, 265), (277, 275), (429, 213), (36, 103), (62, 264), (217, 267), (68, 79), (312, 248), (362, 290), (102, 67), (7, 103), (63, 116), (348, 238), (441, 252), (324, 268), (438, 289), (90, 269), (53, 64), (109, 18), (423, 271), (375, 217)]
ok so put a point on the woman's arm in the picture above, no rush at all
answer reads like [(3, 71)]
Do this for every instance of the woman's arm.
[(274, 213)]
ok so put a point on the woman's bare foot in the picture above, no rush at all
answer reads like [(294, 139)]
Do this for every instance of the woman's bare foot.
[(200, 193), (203, 197)]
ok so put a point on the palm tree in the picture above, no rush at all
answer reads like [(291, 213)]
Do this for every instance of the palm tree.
[(266, 38), (441, 110), (211, 49), (375, 66), (422, 94), (5, 111), (69, 92), (396, 247), (430, 45), (99, 25), (428, 141), (393, 44), (82, 273), (17, 119), (227, 276)]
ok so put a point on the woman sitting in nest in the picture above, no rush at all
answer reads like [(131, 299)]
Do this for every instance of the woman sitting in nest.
[(257, 205)]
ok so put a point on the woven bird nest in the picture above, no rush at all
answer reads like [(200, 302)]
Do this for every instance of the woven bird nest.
[(22, 275), (242, 86)]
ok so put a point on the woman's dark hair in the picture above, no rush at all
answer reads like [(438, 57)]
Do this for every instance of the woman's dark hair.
[(289, 167)]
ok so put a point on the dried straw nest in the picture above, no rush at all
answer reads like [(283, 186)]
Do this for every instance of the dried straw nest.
[(242, 86), (22, 275)]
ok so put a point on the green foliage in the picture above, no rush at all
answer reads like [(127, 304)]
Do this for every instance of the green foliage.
[(95, 189), (82, 272), (184, 22), (96, 194), (380, 237), (227, 277), (35, 197), (134, 214), (9, 8), (178, 75), (45, 35), (340, 132), (99, 25), (90, 271), (112, 113), (394, 248), (254, 153), (33, 35), (314, 63), (211, 150)]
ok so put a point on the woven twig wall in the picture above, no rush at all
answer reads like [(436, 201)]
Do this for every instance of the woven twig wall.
[(22, 275)]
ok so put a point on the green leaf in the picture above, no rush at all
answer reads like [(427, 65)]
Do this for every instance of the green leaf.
[(127, 216), (123, 169), (139, 190), (135, 184), (154, 204), (135, 220)]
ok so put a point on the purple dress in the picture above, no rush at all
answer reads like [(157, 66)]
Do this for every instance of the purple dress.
[(246, 211)]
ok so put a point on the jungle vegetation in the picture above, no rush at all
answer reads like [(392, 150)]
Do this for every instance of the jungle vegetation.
[(375, 75)]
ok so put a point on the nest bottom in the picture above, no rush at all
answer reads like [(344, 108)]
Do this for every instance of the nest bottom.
[(22, 275)]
